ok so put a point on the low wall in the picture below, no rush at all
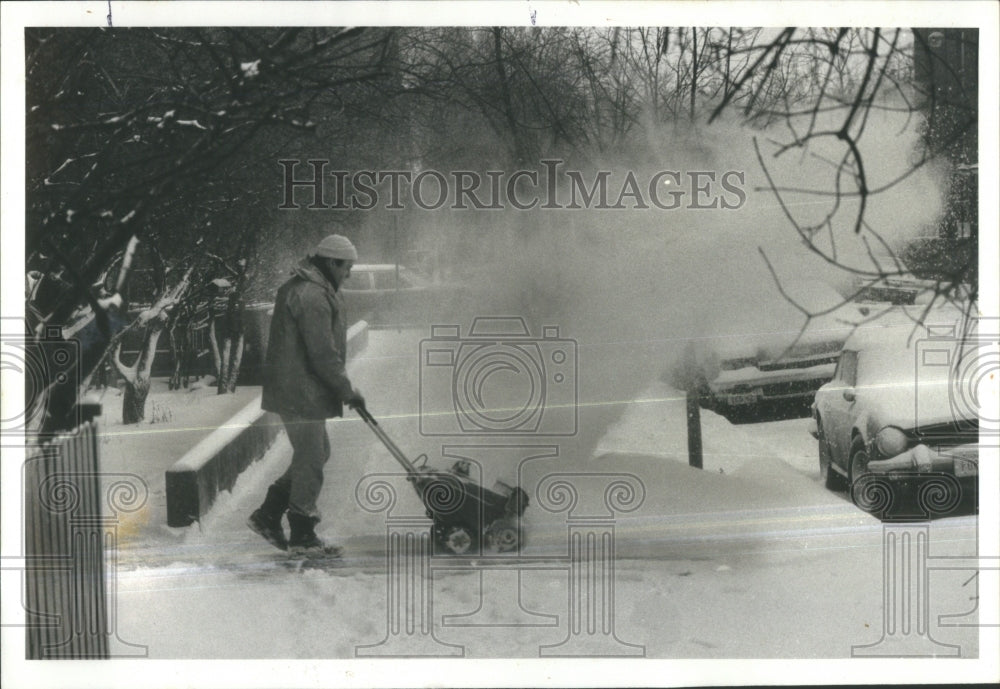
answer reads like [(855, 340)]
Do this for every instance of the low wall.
[(214, 464)]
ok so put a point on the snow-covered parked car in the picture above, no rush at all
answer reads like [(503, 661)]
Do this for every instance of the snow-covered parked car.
[(901, 404), (897, 290), (380, 292), (371, 282), (375, 289), (770, 357)]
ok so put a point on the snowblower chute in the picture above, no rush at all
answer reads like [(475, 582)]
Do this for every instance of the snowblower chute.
[(468, 518)]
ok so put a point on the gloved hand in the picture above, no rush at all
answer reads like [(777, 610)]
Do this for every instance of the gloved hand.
[(356, 400)]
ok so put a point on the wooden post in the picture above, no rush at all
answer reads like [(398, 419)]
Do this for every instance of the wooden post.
[(689, 381), (694, 429)]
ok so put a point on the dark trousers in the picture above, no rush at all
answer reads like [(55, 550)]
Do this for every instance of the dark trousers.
[(304, 478)]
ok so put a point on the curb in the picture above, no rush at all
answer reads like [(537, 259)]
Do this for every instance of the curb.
[(214, 464)]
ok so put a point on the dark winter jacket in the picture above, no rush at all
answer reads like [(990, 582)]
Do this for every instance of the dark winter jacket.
[(304, 372)]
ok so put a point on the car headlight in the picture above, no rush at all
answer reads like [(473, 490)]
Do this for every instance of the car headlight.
[(891, 441)]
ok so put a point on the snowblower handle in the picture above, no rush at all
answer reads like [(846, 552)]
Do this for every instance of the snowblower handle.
[(411, 469), (366, 415)]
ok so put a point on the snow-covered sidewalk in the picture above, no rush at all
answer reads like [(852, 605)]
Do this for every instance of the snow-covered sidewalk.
[(750, 557)]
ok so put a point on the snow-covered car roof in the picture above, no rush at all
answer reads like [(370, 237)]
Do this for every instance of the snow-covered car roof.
[(378, 268), (911, 376), (382, 277), (385, 268), (368, 267)]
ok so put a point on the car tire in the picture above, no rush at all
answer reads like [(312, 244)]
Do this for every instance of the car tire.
[(831, 479), (875, 497), (858, 465)]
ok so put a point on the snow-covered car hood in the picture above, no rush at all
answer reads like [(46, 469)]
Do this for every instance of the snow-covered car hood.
[(765, 344), (767, 329), (765, 332)]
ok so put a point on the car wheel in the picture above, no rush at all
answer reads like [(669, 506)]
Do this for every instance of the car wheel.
[(870, 492), (831, 479), (859, 460)]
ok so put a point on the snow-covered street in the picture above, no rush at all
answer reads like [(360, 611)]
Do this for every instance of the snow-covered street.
[(750, 557), (582, 344)]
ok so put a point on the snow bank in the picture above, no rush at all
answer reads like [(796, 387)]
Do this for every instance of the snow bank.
[(655, 425), (758, 480)]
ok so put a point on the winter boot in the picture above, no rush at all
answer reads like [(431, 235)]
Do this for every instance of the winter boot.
[(304, 541), (266, 520)]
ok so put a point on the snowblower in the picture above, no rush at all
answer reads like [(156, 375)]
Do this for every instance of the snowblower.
[(468, 519)]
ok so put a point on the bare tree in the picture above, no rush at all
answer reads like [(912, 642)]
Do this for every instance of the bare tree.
[(854, 74), (128, 128), (153, 321), (160, 135)]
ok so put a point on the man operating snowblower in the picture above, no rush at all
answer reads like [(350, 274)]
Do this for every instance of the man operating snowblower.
[(305, 382)]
